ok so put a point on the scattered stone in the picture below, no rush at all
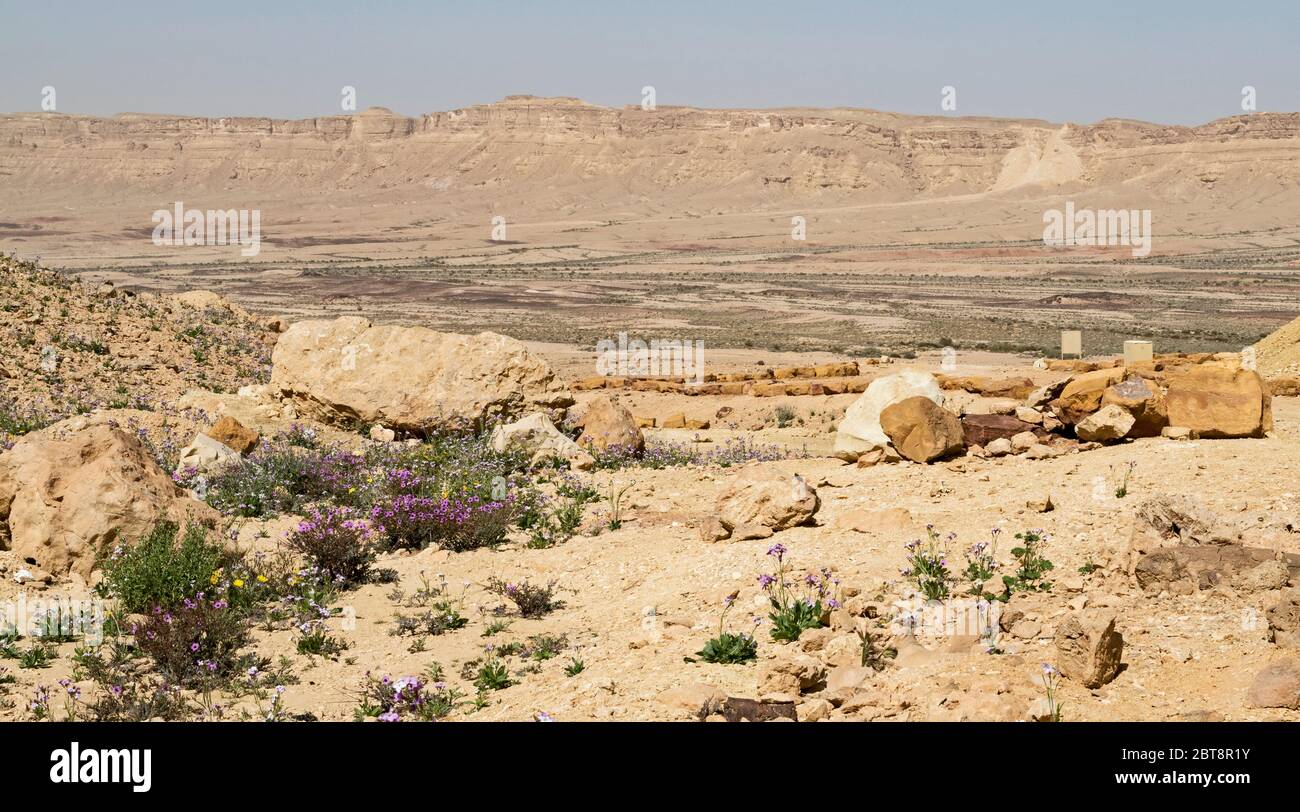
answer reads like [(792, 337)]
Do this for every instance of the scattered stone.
[(712, 529), (849, 677), (1277, 686), (1176, 432), (1027, 629), (382, 435), (784, 678), (921, 430), (673, 421), (230, 432), (1262, 577), (537, 437), (999, 447), (1028, 415), (813, 710), (755, 498), (1089, 648), (1024, 441), (204, 454), (1107, 424), (1284, 620), (1042, 504), (607, 425)]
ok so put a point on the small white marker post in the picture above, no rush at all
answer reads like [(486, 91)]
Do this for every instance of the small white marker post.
[(1136, 352), (1072, 343)]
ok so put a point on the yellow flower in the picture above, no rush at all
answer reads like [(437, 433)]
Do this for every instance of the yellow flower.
[(261, 579), (213, 580), (239, 582)]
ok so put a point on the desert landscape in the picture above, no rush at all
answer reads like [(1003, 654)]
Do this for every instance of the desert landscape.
[(372, 463)]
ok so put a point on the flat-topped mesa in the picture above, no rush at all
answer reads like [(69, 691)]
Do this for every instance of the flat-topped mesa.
[(409, 378), (585, 152)]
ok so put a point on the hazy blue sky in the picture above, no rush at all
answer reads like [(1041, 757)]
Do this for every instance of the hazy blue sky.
[(1174, 62)]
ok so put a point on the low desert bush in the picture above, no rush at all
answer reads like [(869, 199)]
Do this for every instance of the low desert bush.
[(126, 690), (405, 699), (460, 522), (1032, 566), (157, 571), (530, 600), (196, 644), (735, 451), (337, 543)]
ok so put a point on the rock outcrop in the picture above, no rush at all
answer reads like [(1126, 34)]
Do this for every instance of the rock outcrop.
[(758, 503), (408, 377), (71, 492), (1220, 401)]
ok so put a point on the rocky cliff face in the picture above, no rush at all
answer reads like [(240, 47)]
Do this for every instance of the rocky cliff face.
[(563, 152)]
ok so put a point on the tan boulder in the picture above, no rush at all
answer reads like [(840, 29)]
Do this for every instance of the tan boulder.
[(1088, 647), (606, 424), (860, 430), (204, 454), (1276, 686), (69, 494), (1143, 399), (922, 430), (1082, 393), (231, 433), (537, 437), (756, 501), (1107, 424), (408, 377), (1024, 441), (1219, 401), (676, 420)]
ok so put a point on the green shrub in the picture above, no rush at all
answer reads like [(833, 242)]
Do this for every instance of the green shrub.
[(159, 572)]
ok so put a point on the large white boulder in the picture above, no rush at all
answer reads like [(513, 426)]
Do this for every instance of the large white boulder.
[(860, 430), (408, 377)]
